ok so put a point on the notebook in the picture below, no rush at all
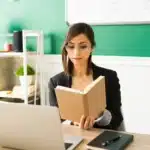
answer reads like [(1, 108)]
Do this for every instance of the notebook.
[(75, 103), (121, 141)]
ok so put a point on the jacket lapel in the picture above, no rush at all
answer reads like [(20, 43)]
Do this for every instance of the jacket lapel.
[(96, 71)]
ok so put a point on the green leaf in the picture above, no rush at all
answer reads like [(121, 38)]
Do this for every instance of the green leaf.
[(20, 71)]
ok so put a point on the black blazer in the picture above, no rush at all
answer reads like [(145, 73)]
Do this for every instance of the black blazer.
[(113, 96)]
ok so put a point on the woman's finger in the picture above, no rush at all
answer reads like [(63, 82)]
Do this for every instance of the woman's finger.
[(91, 122), (87, 123), (82, 121)]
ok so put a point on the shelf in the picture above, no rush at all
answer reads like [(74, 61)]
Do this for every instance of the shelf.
[(11, 54), (31, 33), (15, 54), (25, 32), (19, 100)]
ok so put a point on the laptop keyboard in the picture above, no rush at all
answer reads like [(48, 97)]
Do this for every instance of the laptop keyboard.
[(67, 145)]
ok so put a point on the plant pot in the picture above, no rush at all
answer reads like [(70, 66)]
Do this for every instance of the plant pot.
[(29, 79)]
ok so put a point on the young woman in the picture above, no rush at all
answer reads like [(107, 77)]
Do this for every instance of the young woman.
[(79, 71)]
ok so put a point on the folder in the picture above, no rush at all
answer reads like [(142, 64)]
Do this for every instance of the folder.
[(119, 144)]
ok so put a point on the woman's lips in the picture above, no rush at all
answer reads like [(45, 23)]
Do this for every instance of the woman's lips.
[(77, 58)]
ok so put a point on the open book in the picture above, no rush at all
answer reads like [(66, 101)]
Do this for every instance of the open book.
[(75, 103)]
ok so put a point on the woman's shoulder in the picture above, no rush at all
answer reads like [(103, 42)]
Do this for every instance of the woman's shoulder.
[(58, 76), (60, 79), (109, 74), (103, 71)]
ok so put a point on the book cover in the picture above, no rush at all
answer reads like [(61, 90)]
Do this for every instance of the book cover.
[(75, 103), (119, 141)]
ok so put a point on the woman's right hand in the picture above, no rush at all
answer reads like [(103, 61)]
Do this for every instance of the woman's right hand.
[(85, 122)]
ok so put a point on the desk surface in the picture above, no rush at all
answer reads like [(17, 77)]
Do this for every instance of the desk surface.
[(141, 141)]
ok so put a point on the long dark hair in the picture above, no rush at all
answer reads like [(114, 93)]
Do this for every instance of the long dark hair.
[(74, 30)]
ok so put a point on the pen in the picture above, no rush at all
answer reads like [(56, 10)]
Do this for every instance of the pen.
[(108, 142)]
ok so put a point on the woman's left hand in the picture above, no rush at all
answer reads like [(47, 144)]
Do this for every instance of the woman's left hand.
[(86, 122)]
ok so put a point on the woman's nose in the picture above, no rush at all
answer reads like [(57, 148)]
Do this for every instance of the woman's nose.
[(76, 52)]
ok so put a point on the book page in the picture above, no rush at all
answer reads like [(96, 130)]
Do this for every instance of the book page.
[(90, 86), (69, 89)]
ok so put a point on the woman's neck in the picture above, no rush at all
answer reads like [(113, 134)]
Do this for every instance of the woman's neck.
[(80, 71)]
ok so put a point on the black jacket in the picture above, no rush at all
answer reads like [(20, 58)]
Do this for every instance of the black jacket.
[(113, 96)]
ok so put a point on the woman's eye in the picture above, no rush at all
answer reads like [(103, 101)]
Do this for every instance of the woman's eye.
[(70, 47), (83, 47)]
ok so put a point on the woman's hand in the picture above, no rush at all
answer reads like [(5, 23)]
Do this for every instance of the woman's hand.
[(85, 122)]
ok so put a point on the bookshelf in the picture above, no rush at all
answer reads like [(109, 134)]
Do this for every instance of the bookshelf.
[(16, 54), (11, 54), (38, 54)]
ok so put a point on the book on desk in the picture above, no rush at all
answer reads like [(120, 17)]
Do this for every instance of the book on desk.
[(16, 95), (75, 103)]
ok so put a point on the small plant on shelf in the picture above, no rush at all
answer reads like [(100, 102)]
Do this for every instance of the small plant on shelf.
[(30, 74)]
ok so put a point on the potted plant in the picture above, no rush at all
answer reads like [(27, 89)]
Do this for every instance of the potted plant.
[(30, 74)]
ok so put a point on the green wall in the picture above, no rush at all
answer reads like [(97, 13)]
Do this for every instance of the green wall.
[(49, 16)]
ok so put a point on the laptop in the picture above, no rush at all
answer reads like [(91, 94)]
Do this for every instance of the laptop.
[(33, 127)]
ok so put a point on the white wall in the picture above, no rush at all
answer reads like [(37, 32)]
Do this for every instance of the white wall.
[(134, 75)]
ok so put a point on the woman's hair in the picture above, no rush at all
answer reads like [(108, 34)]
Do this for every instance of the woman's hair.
[(75, 30)]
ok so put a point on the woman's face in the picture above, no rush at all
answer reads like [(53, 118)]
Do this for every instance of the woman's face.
[(79, 49)]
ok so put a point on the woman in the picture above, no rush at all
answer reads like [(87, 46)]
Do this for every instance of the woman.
[(79, 71)]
